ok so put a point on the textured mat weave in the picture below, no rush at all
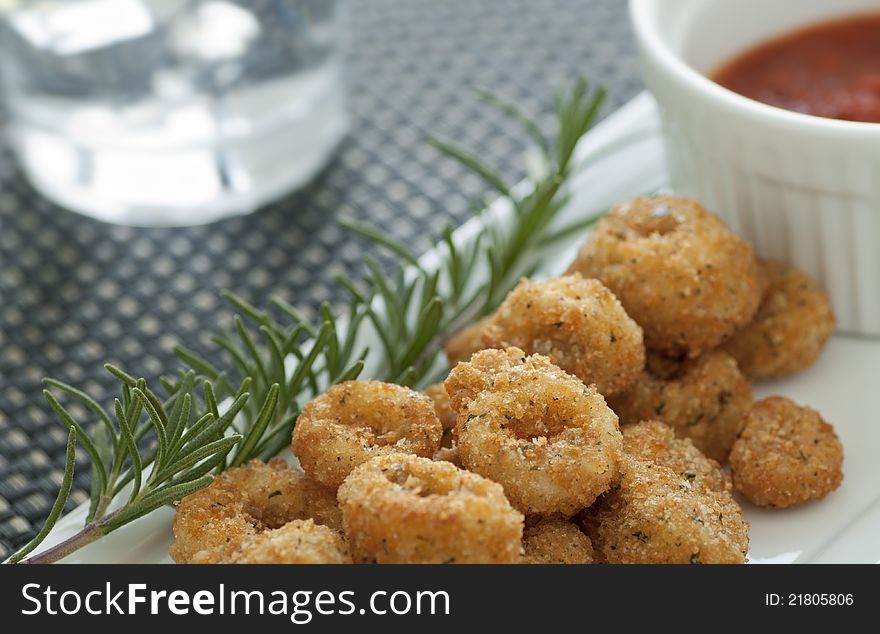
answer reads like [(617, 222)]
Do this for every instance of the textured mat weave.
[(75, 293)]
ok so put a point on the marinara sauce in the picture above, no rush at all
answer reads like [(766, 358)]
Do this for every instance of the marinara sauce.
[(830, 70)]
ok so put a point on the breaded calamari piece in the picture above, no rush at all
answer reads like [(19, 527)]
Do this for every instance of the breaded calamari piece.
[(793, 324), (679, 272), (547, 438), (578, 323), (211, 524), (703, 399), (297, 542), (786, 455), (448, 451), (442, 406), (655, 516), (556, 541), (400, 508), (356, 420), (656, 442)]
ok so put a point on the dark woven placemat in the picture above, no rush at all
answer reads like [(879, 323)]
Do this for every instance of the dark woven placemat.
[(75, 293)]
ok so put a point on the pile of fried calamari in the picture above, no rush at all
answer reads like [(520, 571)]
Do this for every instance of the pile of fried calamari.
[(605, 416)]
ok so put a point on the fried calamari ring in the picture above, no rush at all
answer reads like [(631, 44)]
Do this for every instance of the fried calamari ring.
[(400, 508), (786, 455), (653, 515), (442, 406), (449, 454), (460, 346), (679, 272), (211, 524), (556, 541), (793, 324), (578, 323), (448, 450), (297, 542), (354, 421), (653, 441), (548, 439), (702, 399)]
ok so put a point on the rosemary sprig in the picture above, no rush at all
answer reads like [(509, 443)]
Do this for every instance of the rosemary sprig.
[(440, 300), (147, 454), (151, 452)]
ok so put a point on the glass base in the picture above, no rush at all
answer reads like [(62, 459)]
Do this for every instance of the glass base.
[(201, 163)]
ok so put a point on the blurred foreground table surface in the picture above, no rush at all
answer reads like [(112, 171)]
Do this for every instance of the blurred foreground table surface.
[(75, 293)]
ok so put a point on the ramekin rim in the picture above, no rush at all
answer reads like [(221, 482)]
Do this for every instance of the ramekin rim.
[(661, 52)]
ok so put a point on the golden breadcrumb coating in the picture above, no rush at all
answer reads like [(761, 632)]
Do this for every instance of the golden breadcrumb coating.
[(703, 399), (793, 324), (547, 438), (211, 524), (655, 516), (400, 508), (297, 542), (442, 406), (656, 442), (556, 541), (354, 421), (786, 455), (578, 323), (448, 451), (679, 272)]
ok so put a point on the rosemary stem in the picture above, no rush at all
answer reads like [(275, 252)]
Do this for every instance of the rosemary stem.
[(103, 504), (92, 531)]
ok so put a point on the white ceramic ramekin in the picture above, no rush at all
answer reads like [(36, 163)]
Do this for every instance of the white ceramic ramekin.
[(802, 189)]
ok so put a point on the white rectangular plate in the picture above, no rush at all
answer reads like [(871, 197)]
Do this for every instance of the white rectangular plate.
[(842, 385)]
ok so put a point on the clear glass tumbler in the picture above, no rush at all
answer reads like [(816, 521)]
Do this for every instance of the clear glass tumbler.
[(171, 112)]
